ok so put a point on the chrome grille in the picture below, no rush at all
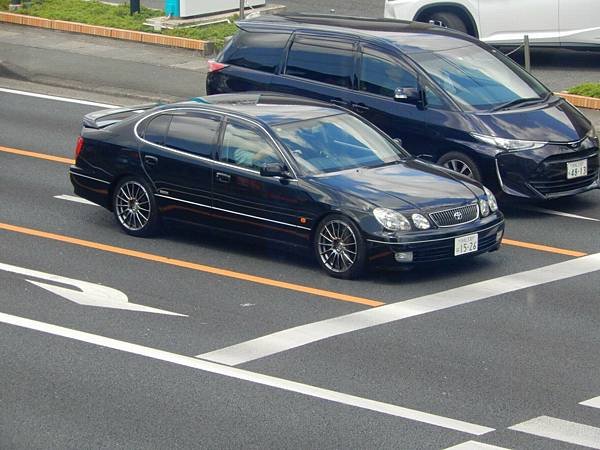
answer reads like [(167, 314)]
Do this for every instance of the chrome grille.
[(455, 216)]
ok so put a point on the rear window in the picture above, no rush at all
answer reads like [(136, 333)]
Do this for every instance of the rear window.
[(258, 51), (193, 134), (326, 61)]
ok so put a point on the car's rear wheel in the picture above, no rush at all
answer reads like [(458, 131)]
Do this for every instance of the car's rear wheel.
[(135, 208), (450, 20), (461, 163), (340, 247)]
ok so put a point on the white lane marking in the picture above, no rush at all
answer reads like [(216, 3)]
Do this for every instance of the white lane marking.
[(58, 99), (73, 198), (84, 293), (561, 430), (558, 213), (240, 374), (306, 334), (593, 402), (473, 445)]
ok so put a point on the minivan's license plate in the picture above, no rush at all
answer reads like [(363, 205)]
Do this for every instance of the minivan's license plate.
[(465, 244), (577, 169)]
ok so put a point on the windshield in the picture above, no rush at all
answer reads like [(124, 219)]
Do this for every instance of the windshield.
[(338, 142), (479, 80)]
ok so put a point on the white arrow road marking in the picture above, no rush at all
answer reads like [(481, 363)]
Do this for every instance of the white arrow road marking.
[(73, 198), (252, 377), (88, 294), (593, 402), (559, 213), (473, 445)]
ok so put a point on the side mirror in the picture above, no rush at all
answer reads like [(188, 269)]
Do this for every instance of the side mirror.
[(407, 95), (274, 170)]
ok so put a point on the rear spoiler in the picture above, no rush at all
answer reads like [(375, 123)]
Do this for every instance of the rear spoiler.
[(106, 117)]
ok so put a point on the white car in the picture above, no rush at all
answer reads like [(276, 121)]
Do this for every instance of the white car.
[(567, 23)]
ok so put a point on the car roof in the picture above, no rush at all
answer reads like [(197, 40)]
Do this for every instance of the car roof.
[(403, 34), (269, 108)]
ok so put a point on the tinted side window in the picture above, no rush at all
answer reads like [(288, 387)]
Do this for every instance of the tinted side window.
[(156, 130), (259, 51), (244, 147), (379, 75), (193, 134), (321, 60)]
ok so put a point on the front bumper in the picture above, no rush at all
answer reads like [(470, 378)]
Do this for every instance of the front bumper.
[(435, 245), (542, 173)]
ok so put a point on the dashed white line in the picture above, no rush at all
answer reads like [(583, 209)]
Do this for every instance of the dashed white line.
[(473, 445), (73, 198), (306, 334), (56, 98), (240, 374), (559, 213), (592, 402), (561, 430)]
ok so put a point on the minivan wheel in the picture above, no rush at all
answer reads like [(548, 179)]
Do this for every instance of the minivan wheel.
[(450, 20), (135, 208), (340, 247), (461, 163)]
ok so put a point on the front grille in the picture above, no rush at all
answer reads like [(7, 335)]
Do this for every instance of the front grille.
[(455, 216), (552, 175)]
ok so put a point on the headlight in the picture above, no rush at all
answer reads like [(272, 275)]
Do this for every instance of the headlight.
[(484, 207), (391, 220), (491, 199), (510, 145), (421, 222)]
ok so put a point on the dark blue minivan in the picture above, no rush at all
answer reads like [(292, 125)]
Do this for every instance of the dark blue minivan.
[(450, 98)]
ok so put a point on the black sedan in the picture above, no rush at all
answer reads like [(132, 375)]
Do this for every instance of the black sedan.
[(285, 169)]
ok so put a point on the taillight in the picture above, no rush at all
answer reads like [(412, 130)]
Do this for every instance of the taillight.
[(214, 66), (78, 146)]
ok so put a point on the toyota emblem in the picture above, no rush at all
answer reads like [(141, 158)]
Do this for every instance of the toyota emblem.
[(457, 216)]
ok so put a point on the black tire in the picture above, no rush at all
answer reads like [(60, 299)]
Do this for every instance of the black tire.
[(450, 20), (340, 247), (134, 207), (461, 163)]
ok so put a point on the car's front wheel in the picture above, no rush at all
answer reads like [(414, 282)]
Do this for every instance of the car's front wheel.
[(135, 208), (340, 247), (461, 163)]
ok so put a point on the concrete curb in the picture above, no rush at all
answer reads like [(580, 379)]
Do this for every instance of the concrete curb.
[(206, 47), (581, 101)]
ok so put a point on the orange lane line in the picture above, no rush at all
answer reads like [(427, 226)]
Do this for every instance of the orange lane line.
[(543, 248), (192, 266), (16, 151)]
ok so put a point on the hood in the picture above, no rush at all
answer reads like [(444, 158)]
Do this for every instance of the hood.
[(556, 121), (410, 184)]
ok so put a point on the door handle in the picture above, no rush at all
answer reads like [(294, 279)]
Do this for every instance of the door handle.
[(360, 108), (339, 102), (150, 160), (223, 177)]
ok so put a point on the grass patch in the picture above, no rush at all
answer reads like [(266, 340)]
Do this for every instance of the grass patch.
[(4, 5), (96, 13), (587, 89)]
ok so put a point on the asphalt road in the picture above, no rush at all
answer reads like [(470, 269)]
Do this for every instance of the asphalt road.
[(484, 359)]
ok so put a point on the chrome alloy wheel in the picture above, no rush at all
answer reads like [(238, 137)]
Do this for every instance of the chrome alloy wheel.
[(459, 166), (132, 206), (337, 246)]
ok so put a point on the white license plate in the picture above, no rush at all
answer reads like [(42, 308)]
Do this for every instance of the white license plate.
[(465, 244), (577, 169)]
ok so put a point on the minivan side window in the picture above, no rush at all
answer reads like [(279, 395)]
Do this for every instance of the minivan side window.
[(193, 134), (380, 75), (258, 51), (322, 60)]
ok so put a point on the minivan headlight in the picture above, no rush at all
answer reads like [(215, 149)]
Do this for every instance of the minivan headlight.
[(391, 220), (509, 145)]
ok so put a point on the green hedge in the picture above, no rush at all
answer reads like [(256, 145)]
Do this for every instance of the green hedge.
[(587, 89), (4, 5)]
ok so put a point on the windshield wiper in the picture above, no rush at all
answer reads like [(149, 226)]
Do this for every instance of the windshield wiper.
[(520, 102)]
